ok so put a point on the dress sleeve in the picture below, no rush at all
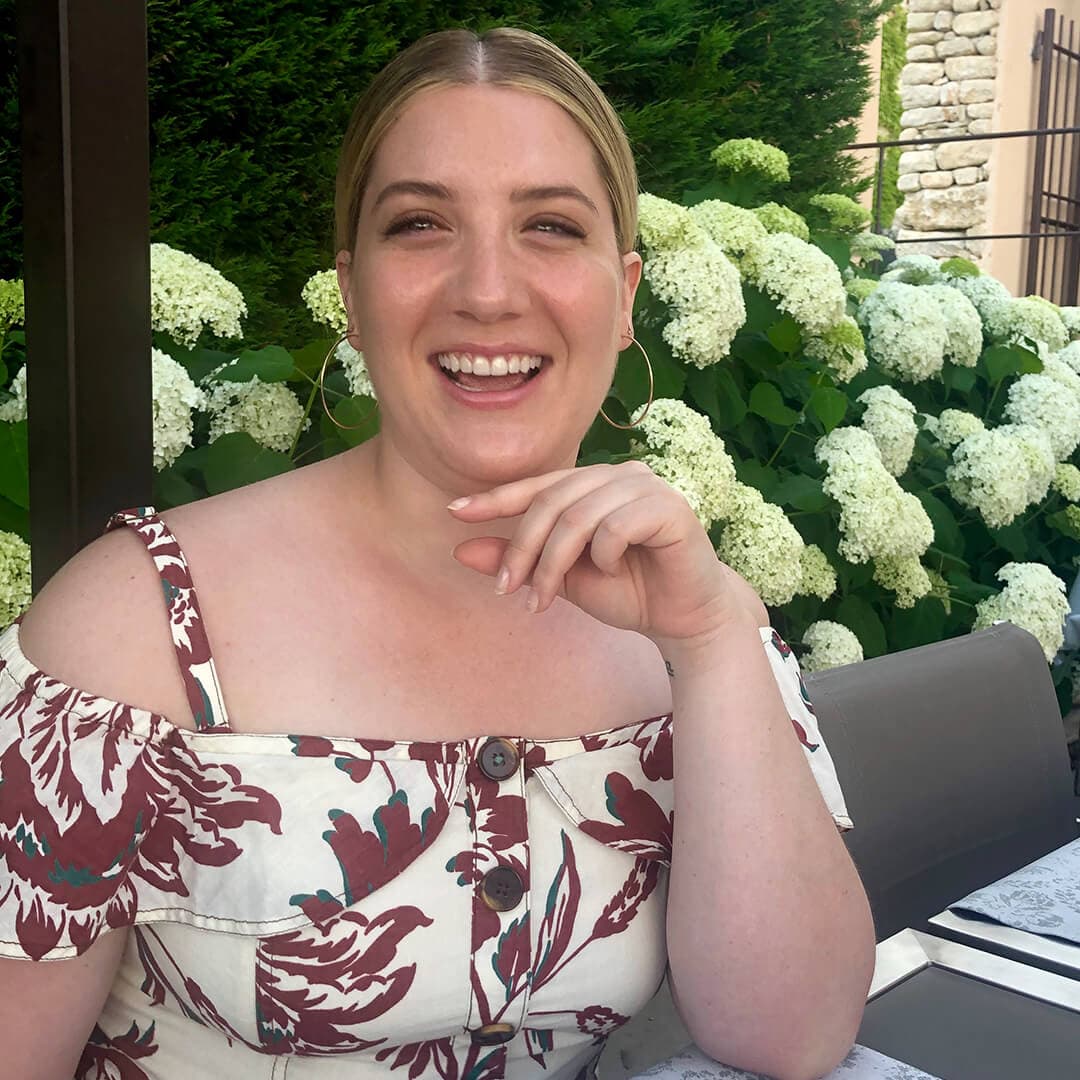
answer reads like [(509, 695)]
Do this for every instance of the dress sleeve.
[(789, 678), (100, 808)]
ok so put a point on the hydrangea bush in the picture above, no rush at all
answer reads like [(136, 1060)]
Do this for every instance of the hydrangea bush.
[(885, 447)]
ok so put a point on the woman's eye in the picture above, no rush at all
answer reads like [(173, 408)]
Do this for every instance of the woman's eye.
[(558, 228), (415, 223)]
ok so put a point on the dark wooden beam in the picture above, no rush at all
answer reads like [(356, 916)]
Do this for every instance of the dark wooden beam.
[(86, 226)]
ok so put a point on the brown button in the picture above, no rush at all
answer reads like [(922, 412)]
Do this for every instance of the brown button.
[(498, 759), (493, 1034), (502, 889)]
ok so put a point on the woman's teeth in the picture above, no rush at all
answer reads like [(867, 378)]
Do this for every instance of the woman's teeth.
[(510, 364)]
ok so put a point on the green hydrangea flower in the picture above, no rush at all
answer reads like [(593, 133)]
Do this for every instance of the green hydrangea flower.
[(752, 156), (844, 214), (779, 219)]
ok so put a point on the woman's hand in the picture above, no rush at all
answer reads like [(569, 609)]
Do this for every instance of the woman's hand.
[(618, 542)]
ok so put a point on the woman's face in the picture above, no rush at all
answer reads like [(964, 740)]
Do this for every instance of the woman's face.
[(486, 241)]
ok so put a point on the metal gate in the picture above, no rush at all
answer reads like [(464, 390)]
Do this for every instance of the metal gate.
[(1053, 263)]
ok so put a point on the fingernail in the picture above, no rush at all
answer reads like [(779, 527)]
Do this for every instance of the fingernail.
[(459, 504), (502, 582), (532, 601)]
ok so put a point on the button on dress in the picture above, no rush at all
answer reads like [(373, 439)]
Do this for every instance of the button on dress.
[(334, 908)]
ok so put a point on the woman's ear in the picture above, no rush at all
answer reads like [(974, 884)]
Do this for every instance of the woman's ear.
[(343, 265), (632, 267)]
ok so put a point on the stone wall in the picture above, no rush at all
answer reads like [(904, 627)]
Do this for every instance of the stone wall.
[(948, 87)]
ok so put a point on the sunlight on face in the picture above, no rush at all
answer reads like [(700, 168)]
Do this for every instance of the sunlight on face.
[(486, 224)]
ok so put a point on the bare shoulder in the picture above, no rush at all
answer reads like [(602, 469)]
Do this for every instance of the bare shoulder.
[(100, 624)]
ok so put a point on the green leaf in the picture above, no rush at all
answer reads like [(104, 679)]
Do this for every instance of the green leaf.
[(829, 405), (785, 335), (861, 619), (947, 534), (757, 475), (271, 364), (837, 247), (761, 312), (921, 625), (1000, 361), (1060, 522), (14, 464), (198, 363), (802, 492), (961, 379), (765, 401), (631, 384), (15, 519), (733, 407), (309, 359), (237, 459), (757, 352), (173, 488), (359, 416), (1014, 539), (964, 588)]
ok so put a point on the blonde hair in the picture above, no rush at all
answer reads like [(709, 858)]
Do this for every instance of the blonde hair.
[(501, 57)]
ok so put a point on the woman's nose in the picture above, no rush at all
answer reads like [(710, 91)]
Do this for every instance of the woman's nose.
[(489, 283)]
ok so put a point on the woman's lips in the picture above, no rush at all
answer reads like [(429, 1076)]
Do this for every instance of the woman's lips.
[(490, 391)]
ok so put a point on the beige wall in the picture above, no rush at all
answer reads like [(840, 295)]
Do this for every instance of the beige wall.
[(1016, 108), (868, 122)]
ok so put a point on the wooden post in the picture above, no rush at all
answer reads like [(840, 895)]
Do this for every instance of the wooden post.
[(86, 198)]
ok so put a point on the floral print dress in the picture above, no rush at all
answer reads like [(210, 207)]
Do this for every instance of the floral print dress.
[(328, 908)]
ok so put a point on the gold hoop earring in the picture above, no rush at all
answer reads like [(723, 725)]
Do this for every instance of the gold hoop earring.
[(322, 389), (648, 404)]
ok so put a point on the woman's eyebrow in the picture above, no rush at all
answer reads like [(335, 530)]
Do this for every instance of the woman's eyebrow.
[(431, 190)]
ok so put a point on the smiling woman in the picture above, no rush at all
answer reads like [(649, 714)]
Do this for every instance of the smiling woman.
[(432, 833)]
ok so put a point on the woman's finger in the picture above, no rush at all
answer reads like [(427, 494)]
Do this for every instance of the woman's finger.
[(648, 521), (508, 500)]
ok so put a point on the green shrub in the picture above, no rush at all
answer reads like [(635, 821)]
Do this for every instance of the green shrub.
[(893, 58)]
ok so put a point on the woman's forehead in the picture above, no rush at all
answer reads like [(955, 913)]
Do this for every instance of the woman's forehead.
[(469, 136)]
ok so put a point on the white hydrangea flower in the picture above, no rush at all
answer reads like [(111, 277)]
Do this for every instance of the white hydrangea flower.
[(890, 419), (752, 156), (15, 410), (840, 348), (818, 577), (681, 448), (915, 269), (760, 543), (269, 412), (905, 330), (188, 296), (15, 591), (831, 645), (953, 426), (990, 473), (1026, 318), (690, 272), (859, 288), (1070, 316), (1070, 355), (868, 246), (1043, 401), (985, 292), (800, 278), (963, 325), (1066, 482), (356, 372), (907, 577), (1056, 368), (781, 219), (175, 395), (732, 227), (322, 296), (1033, 599), (878, 519)]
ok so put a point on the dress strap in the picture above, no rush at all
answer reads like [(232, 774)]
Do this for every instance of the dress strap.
[(185, 619)]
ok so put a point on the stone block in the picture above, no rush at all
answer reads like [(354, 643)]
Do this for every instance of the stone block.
[(924, 52), (919, 97), (973, 23), (924, 5), (956, 46), (953, 208), (937, 180), (943, 20), (960, 68), (959, 155), (925, 37), (955, 114), (921, 118), (980, 127), (909, 133), (921, 74), (965, 5), (986, 46), (909, 182), (914, 161), (920, 20), (972, 91), (949, 93), (981, 110), (963, 177)]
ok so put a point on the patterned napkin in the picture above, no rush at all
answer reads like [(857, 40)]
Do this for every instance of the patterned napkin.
[(1042, 898), (861, 1064)]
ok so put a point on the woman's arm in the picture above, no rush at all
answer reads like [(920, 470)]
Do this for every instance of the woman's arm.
[(770, 937)]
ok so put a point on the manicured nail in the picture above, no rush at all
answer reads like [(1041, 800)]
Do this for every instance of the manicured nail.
[(532, 601), (459, 504), (502, 582)]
